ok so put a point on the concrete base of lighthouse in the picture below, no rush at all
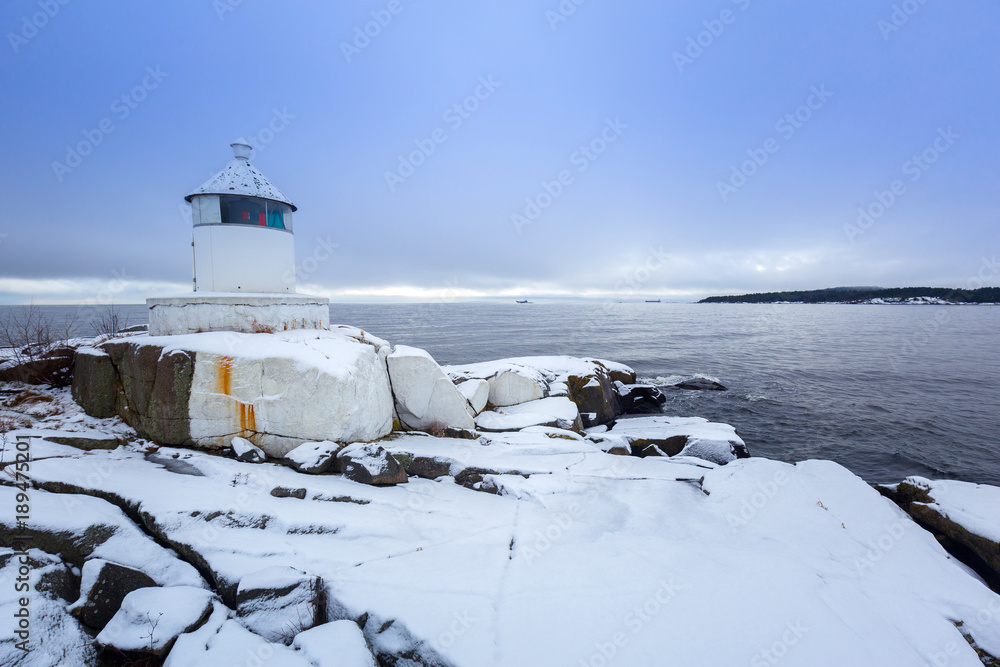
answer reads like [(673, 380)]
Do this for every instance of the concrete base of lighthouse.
[(199, 312)]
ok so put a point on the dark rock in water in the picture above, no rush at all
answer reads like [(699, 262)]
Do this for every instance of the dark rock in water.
[(637, 399), (595, 398), (370, 464), (700, 384), (111, 582), (279, 602)]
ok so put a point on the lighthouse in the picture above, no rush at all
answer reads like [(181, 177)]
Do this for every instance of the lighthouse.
[(243, 255), (242, 239)]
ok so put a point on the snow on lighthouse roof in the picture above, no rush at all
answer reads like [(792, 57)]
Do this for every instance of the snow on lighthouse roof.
[(241, 178)]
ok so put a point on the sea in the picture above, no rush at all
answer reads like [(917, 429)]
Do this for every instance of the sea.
[(887, 391)]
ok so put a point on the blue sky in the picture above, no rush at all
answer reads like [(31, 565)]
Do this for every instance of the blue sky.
[(695, 181)]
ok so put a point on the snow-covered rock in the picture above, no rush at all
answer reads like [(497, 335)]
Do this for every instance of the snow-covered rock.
[(151, 619), (426, 398), (203, 389), (477, 392), (247, 452), (370, 463), (314, 458), (681, 436), (279, 602), (337, 644), (804, 560), (231, 644), (961, 513), (78, 528), (51, 635), (587, 382), (559, 412), (639, 398), (103, 587)]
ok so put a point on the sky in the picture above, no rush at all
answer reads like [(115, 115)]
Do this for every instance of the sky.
[(443, 151)]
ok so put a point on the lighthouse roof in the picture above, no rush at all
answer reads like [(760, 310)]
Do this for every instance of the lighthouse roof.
[(241, 178)]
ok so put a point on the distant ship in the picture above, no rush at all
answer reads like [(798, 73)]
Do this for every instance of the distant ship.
[(652, 300), (525, 301)]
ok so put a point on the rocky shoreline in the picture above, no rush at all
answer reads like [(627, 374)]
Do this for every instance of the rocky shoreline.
[(324, 497)]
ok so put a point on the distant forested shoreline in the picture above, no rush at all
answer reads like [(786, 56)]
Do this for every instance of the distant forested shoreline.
[(866, 295)]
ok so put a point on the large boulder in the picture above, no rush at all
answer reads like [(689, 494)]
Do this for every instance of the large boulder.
[(426, 399), (965, 517), (103, 587), (204, 389), (595, 397), (279, 602)]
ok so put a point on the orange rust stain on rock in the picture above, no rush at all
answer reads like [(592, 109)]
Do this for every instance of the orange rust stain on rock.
[(225, 375), (248, 420)]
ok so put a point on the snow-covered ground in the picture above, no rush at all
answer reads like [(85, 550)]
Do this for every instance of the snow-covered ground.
[(575, 557)]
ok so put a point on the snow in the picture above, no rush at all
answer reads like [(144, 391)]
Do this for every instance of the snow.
[(115, 539), (234, 642), (558, 411), (277, 602), (662, 427), (55, 637), (241, 178), (975, 507), (337, 644), (152, 618)]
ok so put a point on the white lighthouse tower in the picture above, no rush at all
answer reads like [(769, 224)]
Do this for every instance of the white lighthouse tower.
[(244, 261), (242, 231)]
